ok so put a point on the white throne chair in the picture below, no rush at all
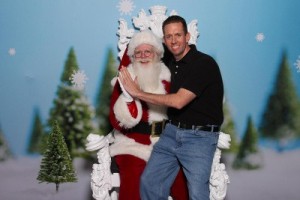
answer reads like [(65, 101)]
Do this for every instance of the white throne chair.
[(102, 180)]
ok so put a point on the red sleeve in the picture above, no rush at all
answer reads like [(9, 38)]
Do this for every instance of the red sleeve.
[(132, 109), (117, 92), (167, 85)]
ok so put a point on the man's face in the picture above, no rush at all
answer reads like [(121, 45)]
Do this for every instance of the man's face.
[(144, 54), (176, 40)]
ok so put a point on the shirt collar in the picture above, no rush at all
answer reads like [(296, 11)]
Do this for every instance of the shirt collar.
[(188, 57)]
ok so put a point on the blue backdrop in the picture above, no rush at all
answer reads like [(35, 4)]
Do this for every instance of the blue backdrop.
[(42, 31)]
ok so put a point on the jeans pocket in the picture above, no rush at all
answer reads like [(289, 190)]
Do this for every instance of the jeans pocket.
[(210, 137)]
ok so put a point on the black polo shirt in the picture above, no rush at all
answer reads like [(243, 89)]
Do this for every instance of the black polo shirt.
[(200, 74)]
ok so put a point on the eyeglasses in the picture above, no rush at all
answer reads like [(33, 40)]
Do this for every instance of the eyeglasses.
[(146, 53)]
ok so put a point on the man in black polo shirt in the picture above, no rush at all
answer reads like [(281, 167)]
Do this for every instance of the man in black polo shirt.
[(195, 116)]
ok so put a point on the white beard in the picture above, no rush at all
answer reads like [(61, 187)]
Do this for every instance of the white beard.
[(148, 75)]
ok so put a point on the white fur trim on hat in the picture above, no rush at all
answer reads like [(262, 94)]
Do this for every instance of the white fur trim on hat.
[(145, 37)]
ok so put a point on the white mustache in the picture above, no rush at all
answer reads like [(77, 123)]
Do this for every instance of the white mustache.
[(144, 60)]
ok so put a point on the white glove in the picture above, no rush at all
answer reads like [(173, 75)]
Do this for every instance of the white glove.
[(128, 97)]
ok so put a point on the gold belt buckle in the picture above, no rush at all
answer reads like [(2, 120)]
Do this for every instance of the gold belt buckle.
[(153, 128)]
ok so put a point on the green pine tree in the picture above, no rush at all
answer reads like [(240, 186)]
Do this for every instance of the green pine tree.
[(72, 110), (281, 117), (37, 134), (228, 127), (5, 152), (248, 148), (56, 165), (104, 94), (71, 65)]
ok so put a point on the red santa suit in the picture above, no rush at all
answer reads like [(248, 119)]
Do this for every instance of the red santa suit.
[(133, 122)]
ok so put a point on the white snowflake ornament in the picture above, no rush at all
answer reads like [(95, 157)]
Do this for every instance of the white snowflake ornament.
[(78, 79), (152, 22), (260, 37), (297, 64), (126, 7), (12, 51)]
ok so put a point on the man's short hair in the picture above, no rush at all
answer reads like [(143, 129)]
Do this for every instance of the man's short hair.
[(175, 19)]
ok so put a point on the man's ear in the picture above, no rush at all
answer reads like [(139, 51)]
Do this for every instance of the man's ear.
[(188, 37)]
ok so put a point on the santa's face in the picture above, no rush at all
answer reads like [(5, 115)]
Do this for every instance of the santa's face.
[(146, 66), (144, 53)]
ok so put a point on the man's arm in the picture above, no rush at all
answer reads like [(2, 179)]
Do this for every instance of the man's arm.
[(177, 100)]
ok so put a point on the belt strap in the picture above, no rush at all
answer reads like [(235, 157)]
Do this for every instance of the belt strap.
[(154, 129), (209, 128)]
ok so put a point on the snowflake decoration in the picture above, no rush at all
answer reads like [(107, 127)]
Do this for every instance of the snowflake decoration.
[(297, 64), (260, 37), (126, 7), (12, 51), (78, 79), (29, 76)]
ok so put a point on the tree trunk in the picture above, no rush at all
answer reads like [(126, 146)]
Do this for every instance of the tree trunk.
[(57, 187)]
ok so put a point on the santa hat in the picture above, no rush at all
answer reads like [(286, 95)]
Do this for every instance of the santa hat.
[(145, 37), (125, 61)]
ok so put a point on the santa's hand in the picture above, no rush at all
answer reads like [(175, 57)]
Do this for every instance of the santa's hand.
[(127, 96), (131, 85)]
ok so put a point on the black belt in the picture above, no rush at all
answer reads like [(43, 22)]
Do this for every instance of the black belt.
[(210, 128), (154, 129)]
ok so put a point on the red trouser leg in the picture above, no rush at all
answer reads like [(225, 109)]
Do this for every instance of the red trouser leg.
[(179, 190), (130, 169)]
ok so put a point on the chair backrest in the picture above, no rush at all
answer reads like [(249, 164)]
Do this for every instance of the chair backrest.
[(153, 22)]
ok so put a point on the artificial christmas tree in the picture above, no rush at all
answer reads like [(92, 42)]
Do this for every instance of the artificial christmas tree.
[(5, 152), (281, 117), (104, 94), (37, 134), (72, 110), (56, 165), (228, 127), (248, 156)]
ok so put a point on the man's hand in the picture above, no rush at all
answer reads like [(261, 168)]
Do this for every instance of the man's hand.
[(175, 100), (131, 86)]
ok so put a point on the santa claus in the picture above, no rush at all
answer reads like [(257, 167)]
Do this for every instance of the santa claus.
[(137, 123)]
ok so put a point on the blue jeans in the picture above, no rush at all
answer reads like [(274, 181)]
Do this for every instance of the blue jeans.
[(193, 150)]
